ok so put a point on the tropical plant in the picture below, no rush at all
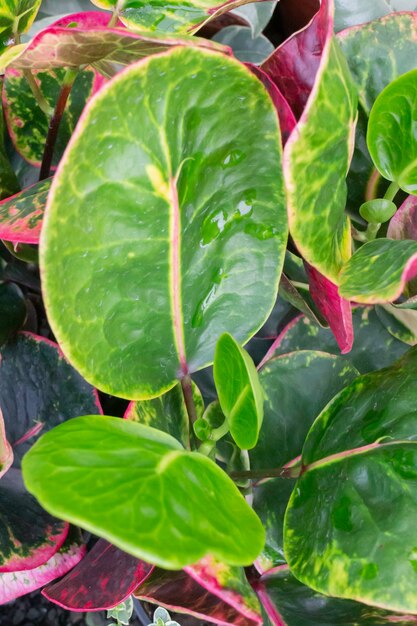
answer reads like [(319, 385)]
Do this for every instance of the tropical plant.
[(174, 187)]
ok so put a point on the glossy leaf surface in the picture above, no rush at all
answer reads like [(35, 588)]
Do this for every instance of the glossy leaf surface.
[(16, 584), (167, 413), (90, 41), (29, 536), (104, 578), (39, 390), (16, 16), (379, 270), (342, 535), (297, 387), (392, 146), (373, 349), (119, 261), (297, 605), (246, 48), (316, 161), (28, 125), (21, 215), (179, 592), (240, 393), (160, 492)]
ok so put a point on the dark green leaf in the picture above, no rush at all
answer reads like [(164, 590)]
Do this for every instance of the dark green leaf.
[(12, 311), (246, 48)]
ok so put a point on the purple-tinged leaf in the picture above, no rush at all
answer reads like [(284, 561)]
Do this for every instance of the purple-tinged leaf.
[(293, 66), (29, 536), (286, 117), (229, 584), (335, 309), (16, 584), (104, 578), (404, 223), (84, 39), (38, 390), (6, 450), (179, 592), (21, 215)]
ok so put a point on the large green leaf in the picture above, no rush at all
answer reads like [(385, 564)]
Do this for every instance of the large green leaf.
[(138, 488), (297, 387), (316, 161), (239, 390), (137, 302), (350, 525), (16, 16), (178, 16), (379, 271), (374, 347), (391, 142)]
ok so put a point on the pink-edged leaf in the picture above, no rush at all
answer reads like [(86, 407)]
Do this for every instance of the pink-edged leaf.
[(29, 536), (294, 64), (104, 578), (16, 584), (229, 584), (6, 450), (335, 309), (39, 389), (21, 215), (404, 223), (179, 592), (84, 39), (286, 117)]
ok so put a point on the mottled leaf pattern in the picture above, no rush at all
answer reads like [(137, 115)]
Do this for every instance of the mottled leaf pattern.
[(21, 215)]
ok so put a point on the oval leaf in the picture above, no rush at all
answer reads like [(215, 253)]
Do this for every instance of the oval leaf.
[(391, 143), (240, 393), (21, 215), (119, 262), (154, 500), (379, 271)]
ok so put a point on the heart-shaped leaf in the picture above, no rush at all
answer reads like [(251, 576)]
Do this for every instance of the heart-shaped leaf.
[(167, 412), (29, 536), (119, 262), (85, 39), (143, 500), (21, 215), (39, 390), (104, 578), (320, 150), (179, 592), (297, 387), (379, 271), (391, 143), (16, 584), (28, 125), (16, 17), (373, 349), (342, 537), (293, 604), (179, 16), (240, 393)]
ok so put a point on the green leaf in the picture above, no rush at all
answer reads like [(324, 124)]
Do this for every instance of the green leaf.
[(297, 387), (107, 263), (240, 393), (16, 17), (391, 143), (246, 48), (357, 12), (179, 16), (377, 211), (379, 271), (167, 413), (316, 161), (374, 347), (9, 184), (257, 14), (399, 322), (21, 215), (138, 488), (28, 125), (343, 536)]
